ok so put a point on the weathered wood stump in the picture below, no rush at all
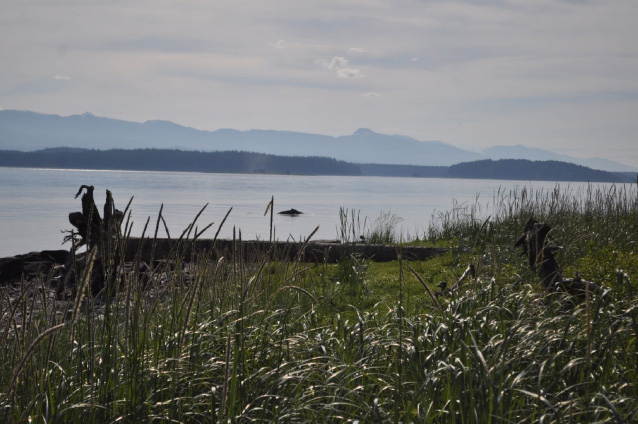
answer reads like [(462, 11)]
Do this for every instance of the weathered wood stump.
[(540, 254), (103, 234)]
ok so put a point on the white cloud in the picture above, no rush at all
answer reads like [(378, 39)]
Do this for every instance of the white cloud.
[(371, 95), (341, 67), (336, 63), (349, 73), (355, 50), (62, 78), (280, 44)]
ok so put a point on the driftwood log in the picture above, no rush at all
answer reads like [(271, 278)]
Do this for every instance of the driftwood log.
[(92, 229), (30, 265), (314, 251), (535, 243), (102, 234)]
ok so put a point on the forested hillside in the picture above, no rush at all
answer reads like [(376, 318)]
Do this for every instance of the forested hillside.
[(177, 160), (520, 169), (248, 162)]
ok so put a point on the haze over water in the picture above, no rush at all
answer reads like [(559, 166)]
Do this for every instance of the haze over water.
[(36, 202)]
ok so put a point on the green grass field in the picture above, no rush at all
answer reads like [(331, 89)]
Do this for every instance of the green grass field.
[(249, 339)]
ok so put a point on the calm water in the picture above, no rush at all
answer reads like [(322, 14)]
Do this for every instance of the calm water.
[(35, 203)]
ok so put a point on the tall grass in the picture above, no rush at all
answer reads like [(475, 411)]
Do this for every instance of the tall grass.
[(250, 339), (611, 212), (355, 229)]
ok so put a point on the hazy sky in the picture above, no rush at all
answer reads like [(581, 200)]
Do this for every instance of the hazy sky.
[(561, 75)]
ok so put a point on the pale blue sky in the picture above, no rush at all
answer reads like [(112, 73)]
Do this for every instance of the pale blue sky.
[(560, 75)]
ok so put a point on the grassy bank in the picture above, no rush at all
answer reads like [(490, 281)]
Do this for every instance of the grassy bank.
[(250, 339)]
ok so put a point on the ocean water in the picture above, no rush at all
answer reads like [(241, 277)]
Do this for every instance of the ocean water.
[(35, 203)]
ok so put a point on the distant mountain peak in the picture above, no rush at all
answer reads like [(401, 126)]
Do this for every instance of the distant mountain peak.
[(159, 122), (364, 132)]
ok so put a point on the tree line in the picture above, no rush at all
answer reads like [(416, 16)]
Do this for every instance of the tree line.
[(249, 162), (177, 160)]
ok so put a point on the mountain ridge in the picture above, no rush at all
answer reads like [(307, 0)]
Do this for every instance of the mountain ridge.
[(29, 131)]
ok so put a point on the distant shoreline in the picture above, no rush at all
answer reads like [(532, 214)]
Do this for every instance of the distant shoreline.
[(248, 163)]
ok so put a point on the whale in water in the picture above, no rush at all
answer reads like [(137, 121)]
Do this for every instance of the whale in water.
[(291, 212)]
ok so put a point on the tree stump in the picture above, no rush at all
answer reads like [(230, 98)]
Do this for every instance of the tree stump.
[(94, 231), (541, 259)]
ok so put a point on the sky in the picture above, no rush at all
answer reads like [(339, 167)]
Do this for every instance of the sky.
[(559, 75)]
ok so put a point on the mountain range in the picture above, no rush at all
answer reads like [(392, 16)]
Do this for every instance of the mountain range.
[(29, 131)]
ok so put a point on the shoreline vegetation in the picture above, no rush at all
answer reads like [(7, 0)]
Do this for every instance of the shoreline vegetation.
[(252, 338), (248, 162)]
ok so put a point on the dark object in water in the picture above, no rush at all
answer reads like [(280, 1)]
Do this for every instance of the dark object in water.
[(291, 212), (535, 244)]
